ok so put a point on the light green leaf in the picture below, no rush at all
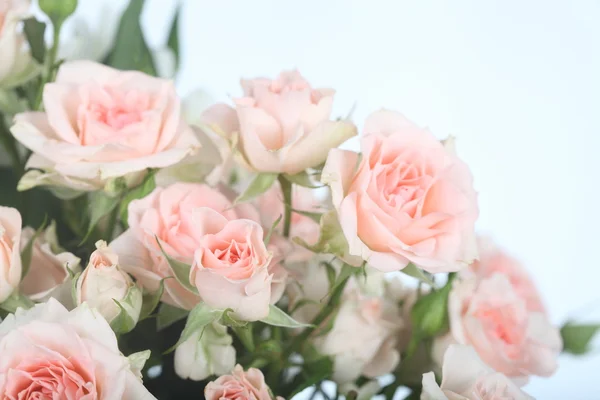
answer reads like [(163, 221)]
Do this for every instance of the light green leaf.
[(74, 296), (199, 318), (315, 216), (139, 192), (345, 273), (173, 41), (15, 301), (577, 337), (167, 315), (138, 360), (417, 273), (228, 320), (270, 233), (180, 269), (123, 322), (34, 32), (277, 317), (260, 184), (27, 251), (99, 206), (331, 238), (150, 300), (131, 51), (302, 179)]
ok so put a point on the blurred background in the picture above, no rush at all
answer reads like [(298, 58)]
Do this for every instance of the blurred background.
[(518, 83)]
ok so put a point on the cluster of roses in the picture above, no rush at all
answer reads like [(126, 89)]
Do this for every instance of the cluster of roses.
[(242, 215)]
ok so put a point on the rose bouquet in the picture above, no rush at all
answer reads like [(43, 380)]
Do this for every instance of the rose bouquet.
[(154, 248)]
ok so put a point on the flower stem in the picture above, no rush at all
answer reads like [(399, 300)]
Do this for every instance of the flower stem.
[(286, 188), (48, 65)]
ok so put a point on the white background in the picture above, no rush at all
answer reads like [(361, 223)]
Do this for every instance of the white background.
[(518, 82)]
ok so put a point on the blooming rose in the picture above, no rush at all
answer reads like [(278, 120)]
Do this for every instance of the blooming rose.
[(205, 353), (101, 123), (283, 124), (410, 200), (239, 385), (17, 66), (230, 267), (363, 338), (50, 269), (465, 376), (51, 353), (493, 260), (103, 282), (167, 214), (10, 256), (494, 319)]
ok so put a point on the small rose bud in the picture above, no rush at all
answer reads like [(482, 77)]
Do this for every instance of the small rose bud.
[(103, 284)]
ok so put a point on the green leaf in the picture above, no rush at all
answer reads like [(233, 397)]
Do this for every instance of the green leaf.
[(277, 317), (302, 179), (315, 216), (331, 238), (34, 32), (139, 192), (270, 233), (131, 51), (330, 274), (28, 250), (15, 301), (167, 315), (150, 300), (260, 184), (138, 360), (74, 296), (173, 41), (99, 206), (413, 271), (199, 317), (123, 322), (180, 269), (313, 373), (346, 272), (577, 337)]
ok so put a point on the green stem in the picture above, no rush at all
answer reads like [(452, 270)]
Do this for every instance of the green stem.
[(48, 65), (286, 188), (325, 312), (9, 143), (245, 336)]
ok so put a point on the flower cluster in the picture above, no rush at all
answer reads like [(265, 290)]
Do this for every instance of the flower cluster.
[(234, 251)]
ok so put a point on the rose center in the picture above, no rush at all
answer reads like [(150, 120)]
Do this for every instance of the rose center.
[(116, 117), (503, 324)]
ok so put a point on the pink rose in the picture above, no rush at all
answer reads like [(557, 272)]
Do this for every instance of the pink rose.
[(465, 376), (49, 274), (363, 338), (101, 123), (240, 385), (493, 260), (10, 255), (492, 317), (17, 66), (284, 124), (50, 353), (410, 200), (167, 213), (231, 264)]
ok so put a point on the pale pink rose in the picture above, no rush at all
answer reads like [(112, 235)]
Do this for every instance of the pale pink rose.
[(101, 123), (494, 260), (411, 199), (466, 377), (50, 353), (167, 213), (240, 385), (231, 266), (50, 269), (271, 206), (17, 66), (103, 282), (10, 255), (284, 124), (363, 338), (491, 316)]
